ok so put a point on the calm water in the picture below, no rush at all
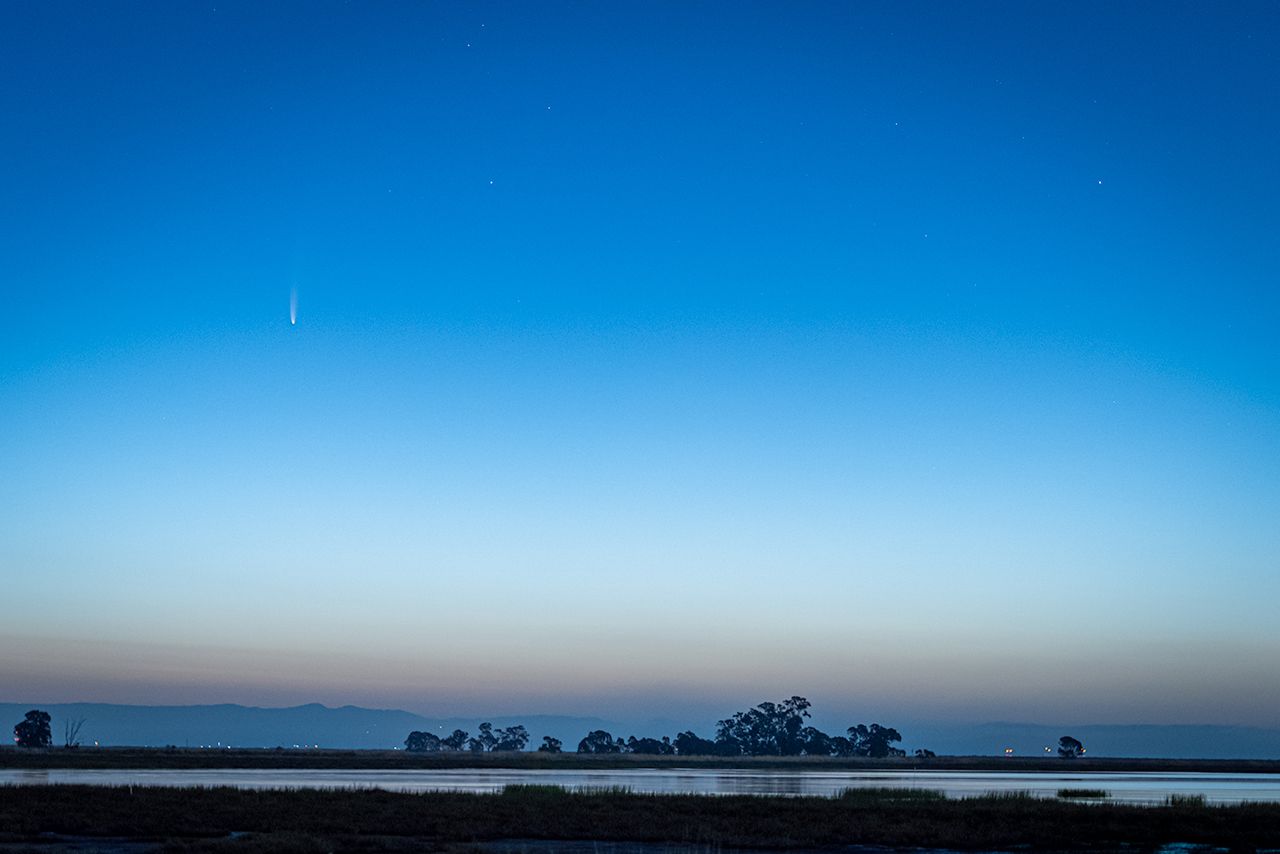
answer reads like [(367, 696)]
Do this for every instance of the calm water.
[(1131, 788)]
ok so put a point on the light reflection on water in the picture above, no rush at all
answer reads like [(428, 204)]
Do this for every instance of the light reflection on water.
[(1123, 787)]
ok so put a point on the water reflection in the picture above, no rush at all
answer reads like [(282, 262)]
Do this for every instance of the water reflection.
[(33, 777), (1123, 787)]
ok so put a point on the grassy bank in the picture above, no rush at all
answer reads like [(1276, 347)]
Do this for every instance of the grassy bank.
[(369, 820), (178, 758)]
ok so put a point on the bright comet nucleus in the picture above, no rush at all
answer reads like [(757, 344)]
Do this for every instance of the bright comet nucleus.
[(293, 306)]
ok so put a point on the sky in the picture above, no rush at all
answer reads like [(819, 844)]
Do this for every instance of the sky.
[(659, 359)]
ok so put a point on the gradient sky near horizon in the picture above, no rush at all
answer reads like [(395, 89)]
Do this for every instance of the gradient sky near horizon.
[(654, 359)]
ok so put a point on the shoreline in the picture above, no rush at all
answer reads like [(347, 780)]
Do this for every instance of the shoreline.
[(138, 758)]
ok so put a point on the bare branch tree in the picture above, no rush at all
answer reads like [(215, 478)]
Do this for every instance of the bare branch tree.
[(71, 732)]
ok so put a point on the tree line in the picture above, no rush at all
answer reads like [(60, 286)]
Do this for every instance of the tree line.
[(769, 729), (486, 741)]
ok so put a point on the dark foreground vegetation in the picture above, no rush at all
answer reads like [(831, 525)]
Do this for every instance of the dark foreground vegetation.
[(213, 819)]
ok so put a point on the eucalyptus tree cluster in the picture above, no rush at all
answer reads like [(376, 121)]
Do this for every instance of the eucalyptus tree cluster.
[(769, 729), (778, 729), (488, 740), (600, 741)]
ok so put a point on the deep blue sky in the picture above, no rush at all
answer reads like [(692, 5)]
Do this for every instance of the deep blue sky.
[(918, 358)]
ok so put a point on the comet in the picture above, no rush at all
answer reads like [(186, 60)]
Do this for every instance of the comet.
[(293, 306)]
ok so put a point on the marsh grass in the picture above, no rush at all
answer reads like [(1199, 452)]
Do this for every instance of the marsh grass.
[(532, 790), (605, 791), (1004, 797), (1184, 801), (881, 794), (1083, 794), (373, 819)]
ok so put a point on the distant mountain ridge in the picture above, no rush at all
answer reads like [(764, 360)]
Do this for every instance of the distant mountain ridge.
[(1164, 741), (234, 725), (354, 727)]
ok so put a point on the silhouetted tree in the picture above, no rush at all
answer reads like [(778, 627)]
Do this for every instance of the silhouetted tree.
[(71, 732), (419, 742), (490, 739), (688, 744), (841, 746), (815, 742), (650, 746), (1070, 748), (511, 738), (34, 730), (550, 745), (484, 740), (457, 740), (922, 753), (599, 741), (770, 729), (874, 741)]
